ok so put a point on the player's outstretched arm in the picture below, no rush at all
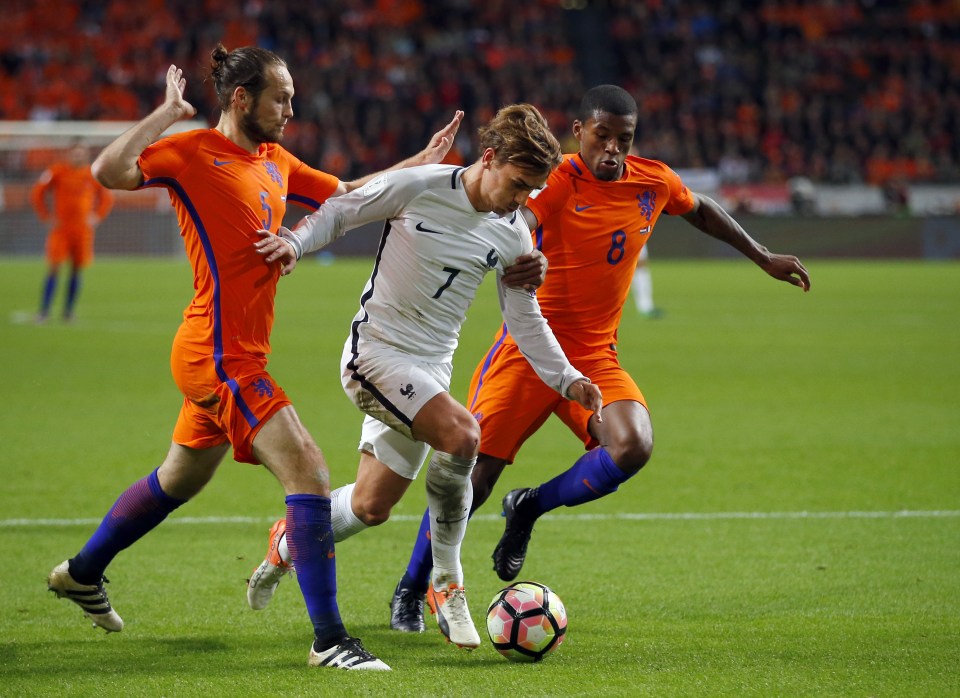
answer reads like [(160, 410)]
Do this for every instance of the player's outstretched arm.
[(436, 150), (588, 395), (116, 167), (707, 215)]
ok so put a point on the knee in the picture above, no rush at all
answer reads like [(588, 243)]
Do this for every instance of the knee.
[(370, 510), (374, 517), (631, 453), (461, 438)]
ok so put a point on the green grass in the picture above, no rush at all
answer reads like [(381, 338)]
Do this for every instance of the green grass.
[(841, 403)]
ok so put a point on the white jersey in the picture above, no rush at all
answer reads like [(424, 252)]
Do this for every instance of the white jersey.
[(434, 252)]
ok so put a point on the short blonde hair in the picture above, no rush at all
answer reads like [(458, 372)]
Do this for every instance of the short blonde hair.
[(520, 136)]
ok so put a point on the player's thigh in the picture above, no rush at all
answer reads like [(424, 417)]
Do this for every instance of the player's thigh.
[(509, 402), (626, 426), (288, 451), (234, 409), (392, 386), (447, 426), (57, 247), (616, 385), (81, 250), (402, 454)]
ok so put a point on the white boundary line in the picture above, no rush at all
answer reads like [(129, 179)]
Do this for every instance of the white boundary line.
[(652, 516)]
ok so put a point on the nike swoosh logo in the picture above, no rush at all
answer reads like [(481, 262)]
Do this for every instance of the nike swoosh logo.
[(450, 521), (427, 230), (582, 208), (589, 486), (221, 163)]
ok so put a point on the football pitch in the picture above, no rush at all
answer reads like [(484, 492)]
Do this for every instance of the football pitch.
[(796, 533)]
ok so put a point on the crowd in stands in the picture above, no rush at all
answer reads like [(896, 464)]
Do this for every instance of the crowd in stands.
[(835, 90), (763, 90)]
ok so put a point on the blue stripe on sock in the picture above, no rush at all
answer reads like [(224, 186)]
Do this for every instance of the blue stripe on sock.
[(310, 541), (136, 512)]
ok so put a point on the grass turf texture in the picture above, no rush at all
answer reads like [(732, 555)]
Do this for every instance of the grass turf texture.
[(764, 400)]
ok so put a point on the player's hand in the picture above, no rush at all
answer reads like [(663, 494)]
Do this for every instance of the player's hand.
[(274, 248), (527, 272), (173, 99), (787, 268), (442, 141), (589, 397)]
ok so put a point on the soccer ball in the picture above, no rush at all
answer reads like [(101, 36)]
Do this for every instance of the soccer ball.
[(526, 621)]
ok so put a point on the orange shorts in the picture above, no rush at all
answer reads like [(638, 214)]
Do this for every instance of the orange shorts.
[(229, 404), (70, 243), (510, 401)]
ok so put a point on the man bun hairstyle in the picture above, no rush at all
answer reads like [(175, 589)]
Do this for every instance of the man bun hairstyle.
[(520, 136), (243, 67), (606, 98)]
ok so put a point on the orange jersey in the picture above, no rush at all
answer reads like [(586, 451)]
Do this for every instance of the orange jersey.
[(222, 196), (76, 194), (591, 233)]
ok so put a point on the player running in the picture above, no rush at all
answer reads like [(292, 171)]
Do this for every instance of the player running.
[(226, 184), (591, 221), (447, 227)]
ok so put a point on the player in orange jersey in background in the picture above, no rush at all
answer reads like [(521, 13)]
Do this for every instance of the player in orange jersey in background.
[(225, 184), (79, 204), (591, 221)]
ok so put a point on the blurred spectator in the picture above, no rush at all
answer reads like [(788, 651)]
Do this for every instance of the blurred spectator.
[(896, 196), (803, 195)]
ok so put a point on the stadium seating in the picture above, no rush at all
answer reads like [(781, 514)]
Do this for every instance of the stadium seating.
[(837, 90)]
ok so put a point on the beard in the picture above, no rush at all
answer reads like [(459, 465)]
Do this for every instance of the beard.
[(255, 131)]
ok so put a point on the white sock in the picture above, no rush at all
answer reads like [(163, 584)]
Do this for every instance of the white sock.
[(345, 522), (643, 290), (449, 496)]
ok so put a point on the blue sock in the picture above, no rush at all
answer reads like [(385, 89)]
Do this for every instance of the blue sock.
[(417, 576), (593, 476), (310, 540), (73, 289), (135, 513), (49, 288)]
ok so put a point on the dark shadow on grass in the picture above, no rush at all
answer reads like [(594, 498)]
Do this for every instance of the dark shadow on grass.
[(152, 656)]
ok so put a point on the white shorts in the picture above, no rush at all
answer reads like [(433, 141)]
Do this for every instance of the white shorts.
[(391, 387)]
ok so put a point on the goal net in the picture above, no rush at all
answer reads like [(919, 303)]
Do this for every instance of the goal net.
[(141, 222)]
